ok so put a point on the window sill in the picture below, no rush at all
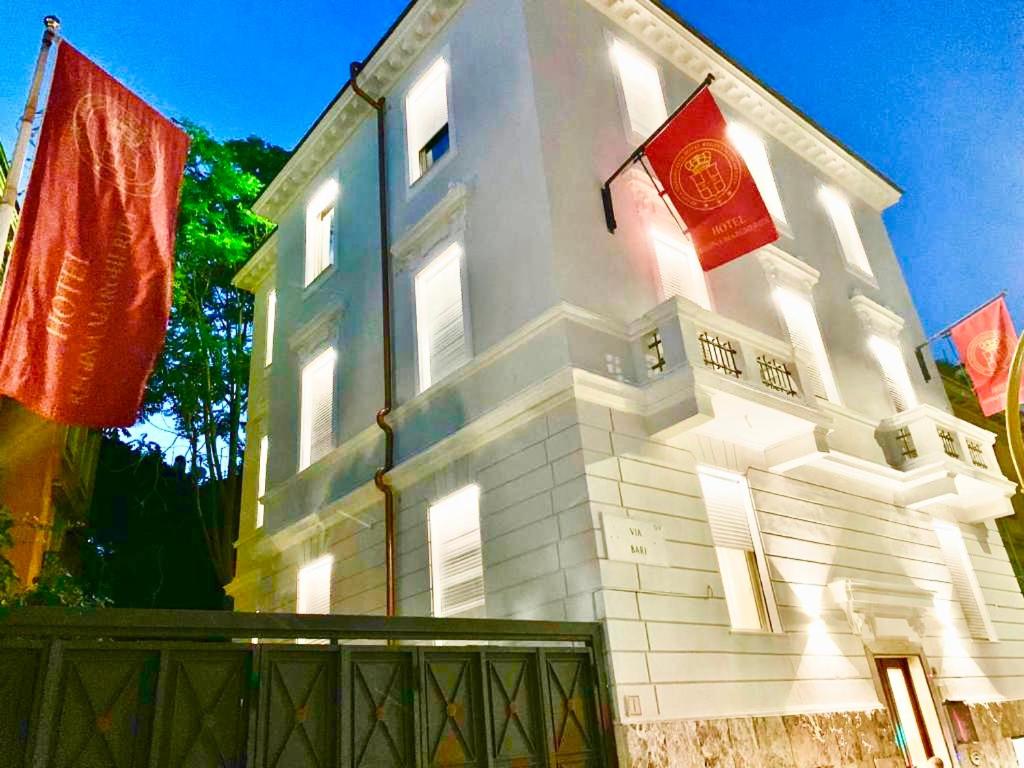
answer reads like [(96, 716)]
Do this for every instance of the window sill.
[(425, 178), (319, 280), (762, 632)]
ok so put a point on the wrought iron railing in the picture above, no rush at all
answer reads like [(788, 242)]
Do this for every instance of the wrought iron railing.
[(719, 355), (195, 688), (655, 353), (776, 376), (977, 455), (905, 441), (949, 443)]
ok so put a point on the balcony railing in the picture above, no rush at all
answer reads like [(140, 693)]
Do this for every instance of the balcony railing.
[(776, 376), (719, 355)]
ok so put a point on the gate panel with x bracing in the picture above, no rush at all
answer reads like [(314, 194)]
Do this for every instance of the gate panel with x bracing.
[(161, 689)]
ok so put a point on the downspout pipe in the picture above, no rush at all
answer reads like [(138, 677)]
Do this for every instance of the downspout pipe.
[(380, 477)]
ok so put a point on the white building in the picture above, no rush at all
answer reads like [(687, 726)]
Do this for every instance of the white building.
[(818, 555)]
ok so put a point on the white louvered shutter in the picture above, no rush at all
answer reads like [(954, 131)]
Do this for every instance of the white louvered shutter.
[(268, 357), (261, 479), (641, 89), (426, 112), (320, 230), (440, 325), (894, 371), (317, 435), (755, 157), (679, 270), (314, 586), (845, 226), (456, 561), (726, 502), (805, 335), (966, 589)]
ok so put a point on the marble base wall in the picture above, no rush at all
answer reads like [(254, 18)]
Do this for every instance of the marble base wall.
[(835, 740)]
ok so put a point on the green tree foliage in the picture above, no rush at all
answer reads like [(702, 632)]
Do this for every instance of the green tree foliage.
[(199, 387)]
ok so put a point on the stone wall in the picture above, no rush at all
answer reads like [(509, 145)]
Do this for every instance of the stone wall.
[(836, 740)]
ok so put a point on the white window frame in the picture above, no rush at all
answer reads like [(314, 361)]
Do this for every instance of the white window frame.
[(663, 247), (469, 496), (320, 257), (785, 297), (847, 233), (754, 151), (270, 322), (882, 327), (966, 587), (261, 478), (772, 622), (623, 54), (327, 356), (439, 258), (413, 171), (316, 569)]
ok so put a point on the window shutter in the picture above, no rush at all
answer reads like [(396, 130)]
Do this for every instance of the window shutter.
[(268, 356), (314, 586), (641, 89), (755, 157), (965, 583), (726, 503), (680, 272), (456, 560), (846, 230), (441, 327), (426, 112), (320, 230), (261, 480), (805, 336), (317, 408), (894, 371)]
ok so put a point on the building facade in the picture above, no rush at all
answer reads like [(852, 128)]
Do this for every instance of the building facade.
[(788, 535)]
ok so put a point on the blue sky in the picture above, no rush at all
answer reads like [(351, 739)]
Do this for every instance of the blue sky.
[(931, 93)]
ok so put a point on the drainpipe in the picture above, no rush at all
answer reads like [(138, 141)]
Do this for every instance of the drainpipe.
[(380, 478)]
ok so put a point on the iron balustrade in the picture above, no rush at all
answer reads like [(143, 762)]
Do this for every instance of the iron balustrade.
[(977, 456), (906, 443), (776, 376), (949, 443), (163, 688), (656, 357), (719, 355)]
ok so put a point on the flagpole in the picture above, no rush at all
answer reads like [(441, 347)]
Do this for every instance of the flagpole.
[(8, 203), (606, 192), (919, 350)]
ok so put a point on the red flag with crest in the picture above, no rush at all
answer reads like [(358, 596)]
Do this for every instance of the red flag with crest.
[(85, 309), (985, 342), (710, 185)]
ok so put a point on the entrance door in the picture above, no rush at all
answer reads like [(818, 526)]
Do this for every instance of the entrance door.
[(918, 732)]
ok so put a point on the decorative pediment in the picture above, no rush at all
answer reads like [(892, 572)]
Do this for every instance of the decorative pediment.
[(877, 319), (786, 271), (445, 222), (883, 609), (319, 332)]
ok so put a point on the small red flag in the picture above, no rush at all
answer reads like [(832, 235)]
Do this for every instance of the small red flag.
[(710, 185), (985, 342), (85, 310)]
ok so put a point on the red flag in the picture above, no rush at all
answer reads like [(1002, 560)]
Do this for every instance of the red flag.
[(710, 185), (985, 342), (85, 310)]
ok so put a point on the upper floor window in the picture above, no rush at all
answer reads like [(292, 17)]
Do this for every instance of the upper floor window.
[(316, 432), (268, 350), (261, 479), (313, 594), (456, 562), (679, 270), (741, 560), (320, 230), (755, 155), (845, 226), (966, 589), (426, 120), (801, 323), (894, 370), (641, 89), (441, 338)]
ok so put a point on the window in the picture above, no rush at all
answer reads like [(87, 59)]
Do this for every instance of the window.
[(755, 155), (805, 336), (440, 324), (641, 89), (916, 721), (426, 120), (317, 418), (737, 543), (965, 583), (456, 564), (320, 230), (268, 355), (850, 244), (679, 270), (894, 370), (261, 479), (314, 588)]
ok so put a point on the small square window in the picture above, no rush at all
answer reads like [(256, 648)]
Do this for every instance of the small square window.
[(434, 149)]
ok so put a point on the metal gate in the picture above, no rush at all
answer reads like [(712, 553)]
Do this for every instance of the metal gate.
[(165, 689)]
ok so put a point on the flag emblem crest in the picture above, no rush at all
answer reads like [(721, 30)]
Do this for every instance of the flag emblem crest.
[(118, 144), (706, 174), (989, 352)]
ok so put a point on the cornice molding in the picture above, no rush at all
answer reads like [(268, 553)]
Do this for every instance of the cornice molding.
[(786, 271), (684, 48), (446, 221), (260, 267), (400, 48), (875, 318)]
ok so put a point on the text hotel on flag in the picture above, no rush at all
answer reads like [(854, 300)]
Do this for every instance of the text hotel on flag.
[(85, 308), (709, 184), (985, 342)]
